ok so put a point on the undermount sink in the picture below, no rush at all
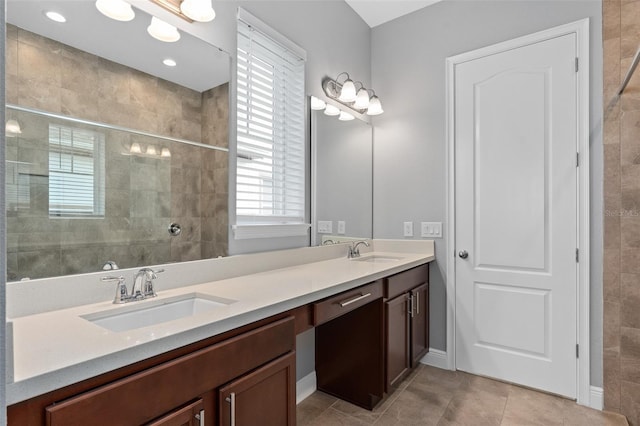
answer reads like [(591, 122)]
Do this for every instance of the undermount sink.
[(134, 316), (376, 259)]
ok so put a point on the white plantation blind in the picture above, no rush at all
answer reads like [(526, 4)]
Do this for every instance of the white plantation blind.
[(270, 171), (76, 172)]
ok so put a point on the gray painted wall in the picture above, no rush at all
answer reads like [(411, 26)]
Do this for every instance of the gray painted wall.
[(408, 71)]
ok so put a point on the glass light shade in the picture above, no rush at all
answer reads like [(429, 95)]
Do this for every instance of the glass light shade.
[(116, 9), (348, 92), (135, 148), (345, 116), (317, 104), (162, 31), (198, 10), (332, 110), (151, 150), (375, 107), (56, 17), (165, 153), (12, 128), (362, 99)]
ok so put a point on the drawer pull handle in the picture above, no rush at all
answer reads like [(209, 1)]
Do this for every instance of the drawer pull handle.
[(231, 399), (200, 418), (355, 299)]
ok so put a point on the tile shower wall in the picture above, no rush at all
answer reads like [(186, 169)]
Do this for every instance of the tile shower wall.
[(143, 194), (621, 37)]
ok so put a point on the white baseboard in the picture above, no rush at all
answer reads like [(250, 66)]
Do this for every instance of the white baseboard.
[(305, 387), (596, 398), (435, 358)]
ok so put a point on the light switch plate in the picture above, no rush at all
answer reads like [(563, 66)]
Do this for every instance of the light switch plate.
[(325, 227), (431, 229), (342, 227), (408, 229)]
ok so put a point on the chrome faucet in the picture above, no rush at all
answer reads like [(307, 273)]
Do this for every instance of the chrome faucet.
[(354, 249), (141, 288)]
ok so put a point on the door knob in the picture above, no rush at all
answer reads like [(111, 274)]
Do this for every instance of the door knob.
[(463, 254)]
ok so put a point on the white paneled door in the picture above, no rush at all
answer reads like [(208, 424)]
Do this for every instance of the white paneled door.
[(516, 215)]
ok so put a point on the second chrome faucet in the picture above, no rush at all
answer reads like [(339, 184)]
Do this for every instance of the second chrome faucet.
[(354, 249), (141, 288)]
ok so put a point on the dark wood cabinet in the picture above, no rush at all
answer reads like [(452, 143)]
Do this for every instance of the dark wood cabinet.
[(170, 393), (407, 322), (419, 298), (398, 339), (350, 345), (265, 396), (192, 414)]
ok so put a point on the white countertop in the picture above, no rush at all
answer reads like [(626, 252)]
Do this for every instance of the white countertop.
[(58, 348)]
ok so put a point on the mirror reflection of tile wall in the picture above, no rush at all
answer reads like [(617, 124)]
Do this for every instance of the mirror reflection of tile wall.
[(142, 193)]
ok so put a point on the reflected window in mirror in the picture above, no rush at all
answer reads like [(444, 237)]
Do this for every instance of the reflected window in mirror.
[(271, 152)]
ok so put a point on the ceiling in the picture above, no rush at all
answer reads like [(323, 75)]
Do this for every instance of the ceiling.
[(376, 12)]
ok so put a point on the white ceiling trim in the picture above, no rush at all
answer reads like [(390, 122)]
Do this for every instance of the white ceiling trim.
[(376, 12)]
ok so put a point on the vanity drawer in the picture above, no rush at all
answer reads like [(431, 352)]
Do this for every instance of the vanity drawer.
[(400, 283), (344, 302)]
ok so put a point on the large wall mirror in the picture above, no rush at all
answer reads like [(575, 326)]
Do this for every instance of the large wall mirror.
[(342, 175), (107, 146)]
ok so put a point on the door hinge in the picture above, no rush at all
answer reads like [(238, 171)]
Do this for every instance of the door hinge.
[(577, 351), (577, 159), (577, 255), (577, 64)]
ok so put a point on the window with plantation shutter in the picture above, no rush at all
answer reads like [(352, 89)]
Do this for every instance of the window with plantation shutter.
[(76, 172), (270, 171)]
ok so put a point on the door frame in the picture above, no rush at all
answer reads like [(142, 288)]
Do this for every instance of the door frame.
[(581, 29)]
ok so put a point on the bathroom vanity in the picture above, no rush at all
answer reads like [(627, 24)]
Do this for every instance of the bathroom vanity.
[(371, 322)]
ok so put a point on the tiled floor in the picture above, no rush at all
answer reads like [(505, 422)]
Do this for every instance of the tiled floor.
[(431, 396)]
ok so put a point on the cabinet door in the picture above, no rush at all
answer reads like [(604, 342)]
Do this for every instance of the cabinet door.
[(419, 323), (397, 339), (266, 396), (189, 415)]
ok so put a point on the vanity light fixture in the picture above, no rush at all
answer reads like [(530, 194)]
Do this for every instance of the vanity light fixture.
[(151, 150), (12, 128), (55, 16), (165, 153), (116, 9), (163, 31), (169, 62), (362, 101), (198, 10)]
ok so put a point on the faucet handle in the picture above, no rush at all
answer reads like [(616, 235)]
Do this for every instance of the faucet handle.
[(151, 274), (121, 288)]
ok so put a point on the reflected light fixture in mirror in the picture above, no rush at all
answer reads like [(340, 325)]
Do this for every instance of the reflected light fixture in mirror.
[(116, 9), (345, 116), (332, 110), (198, 10), (163, 31), (12, 128), (317, 104)]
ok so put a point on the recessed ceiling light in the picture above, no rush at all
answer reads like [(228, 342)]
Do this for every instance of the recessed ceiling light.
[(55, 16), (169, 62), (162, 31), (116, 9)]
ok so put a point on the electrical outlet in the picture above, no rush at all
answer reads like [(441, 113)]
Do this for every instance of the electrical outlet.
[(431, 229), (325, 227), (342, 227), (408, 229)]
